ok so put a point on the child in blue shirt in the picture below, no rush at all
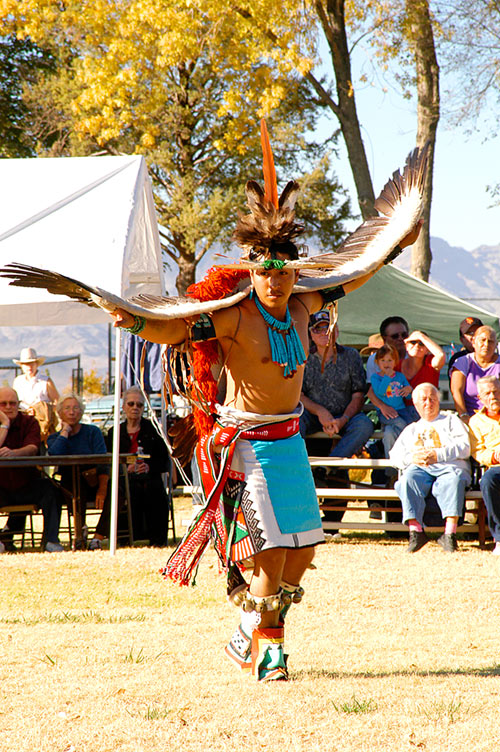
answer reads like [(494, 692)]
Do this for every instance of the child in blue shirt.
[(388, 387)]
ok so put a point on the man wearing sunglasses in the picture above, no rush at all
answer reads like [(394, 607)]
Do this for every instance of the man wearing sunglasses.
[(20, 437), (393, 330), (333, 393)]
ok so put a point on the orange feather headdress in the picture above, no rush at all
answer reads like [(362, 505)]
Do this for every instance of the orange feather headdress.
[(271, 222)]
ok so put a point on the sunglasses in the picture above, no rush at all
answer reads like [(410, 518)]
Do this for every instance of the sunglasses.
[(399, 335), (137, 404), (319, 328), (12, 403)]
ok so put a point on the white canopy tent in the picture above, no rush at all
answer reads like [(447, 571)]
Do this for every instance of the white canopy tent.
[(90, 218)]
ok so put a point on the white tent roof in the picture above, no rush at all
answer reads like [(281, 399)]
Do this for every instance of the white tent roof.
[(91, 218)]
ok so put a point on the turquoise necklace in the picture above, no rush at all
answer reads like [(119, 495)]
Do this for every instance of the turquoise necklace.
[(286, 347)]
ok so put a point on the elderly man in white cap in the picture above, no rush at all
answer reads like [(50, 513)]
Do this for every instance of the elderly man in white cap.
[(37, 394)]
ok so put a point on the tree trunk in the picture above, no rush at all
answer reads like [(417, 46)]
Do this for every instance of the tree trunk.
[(186, 275), (332, 18), (427, 70)]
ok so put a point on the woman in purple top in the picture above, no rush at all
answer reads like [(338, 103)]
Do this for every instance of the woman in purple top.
[(467, 370)]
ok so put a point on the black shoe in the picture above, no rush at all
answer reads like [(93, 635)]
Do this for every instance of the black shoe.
[(375, 510), (9, 546), (417, 541), (448, 542), (319, 475), (338, 479)]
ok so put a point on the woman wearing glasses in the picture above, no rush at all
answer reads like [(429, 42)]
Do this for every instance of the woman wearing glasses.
[(76, 437), (148, 497)]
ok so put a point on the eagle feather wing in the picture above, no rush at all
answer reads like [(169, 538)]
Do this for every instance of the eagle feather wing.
[(153, 307)]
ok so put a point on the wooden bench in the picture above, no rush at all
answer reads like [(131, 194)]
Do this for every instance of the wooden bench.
[(355, 499)]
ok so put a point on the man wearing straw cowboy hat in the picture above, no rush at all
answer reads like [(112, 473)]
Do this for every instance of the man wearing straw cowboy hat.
[(37, 394)]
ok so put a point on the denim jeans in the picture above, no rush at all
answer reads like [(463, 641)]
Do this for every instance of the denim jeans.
[(447, 484), (490, 488), (354, 434)]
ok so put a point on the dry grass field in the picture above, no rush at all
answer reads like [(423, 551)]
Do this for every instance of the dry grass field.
[(387, 652)]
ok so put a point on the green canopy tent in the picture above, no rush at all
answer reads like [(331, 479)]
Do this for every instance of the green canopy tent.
[(393, 292)]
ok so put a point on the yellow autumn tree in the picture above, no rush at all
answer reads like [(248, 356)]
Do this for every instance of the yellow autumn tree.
[(184, 82), (93, 384)]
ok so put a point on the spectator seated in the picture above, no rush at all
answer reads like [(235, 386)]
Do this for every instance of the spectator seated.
[(20, 437)]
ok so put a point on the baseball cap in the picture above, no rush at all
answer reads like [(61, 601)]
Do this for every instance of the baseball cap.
[(470, 323), (319, 318)]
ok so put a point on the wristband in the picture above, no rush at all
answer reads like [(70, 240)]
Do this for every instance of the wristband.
[(464, 415), (393, 254), (138, 325), (346, 417), (2, 425)]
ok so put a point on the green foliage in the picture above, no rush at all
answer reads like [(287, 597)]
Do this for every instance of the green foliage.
[(154, 713), (446, 710), (356, 706), (21, 63), (139, 657)]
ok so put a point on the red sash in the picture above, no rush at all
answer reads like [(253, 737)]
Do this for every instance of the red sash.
[(214, 470)]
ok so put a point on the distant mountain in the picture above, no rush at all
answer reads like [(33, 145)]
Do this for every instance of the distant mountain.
[(91, 342), (470, 275)]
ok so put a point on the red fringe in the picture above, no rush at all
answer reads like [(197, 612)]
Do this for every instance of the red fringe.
[(182, 565), (216, 284)]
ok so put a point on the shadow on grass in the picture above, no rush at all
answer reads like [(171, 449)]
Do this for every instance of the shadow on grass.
[(314, 673), (400, 539)]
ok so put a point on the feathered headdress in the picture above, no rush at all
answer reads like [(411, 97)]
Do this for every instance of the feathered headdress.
[(271, 225)]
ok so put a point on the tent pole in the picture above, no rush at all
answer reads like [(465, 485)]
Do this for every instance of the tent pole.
[(116, 449)]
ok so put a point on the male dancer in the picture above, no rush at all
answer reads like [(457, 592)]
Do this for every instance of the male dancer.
[(256, 385)]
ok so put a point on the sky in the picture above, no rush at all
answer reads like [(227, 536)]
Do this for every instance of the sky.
[(464, 164)]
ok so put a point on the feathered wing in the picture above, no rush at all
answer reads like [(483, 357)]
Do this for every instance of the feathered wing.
[(400, 204), (153, 307)]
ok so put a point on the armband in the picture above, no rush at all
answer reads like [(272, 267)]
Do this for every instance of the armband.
[(138, 325), (331, 294), (393, 254), (203, 329)]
